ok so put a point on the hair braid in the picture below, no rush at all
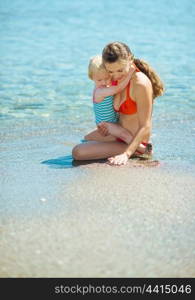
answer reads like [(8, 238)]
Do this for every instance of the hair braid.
[(119, 51)]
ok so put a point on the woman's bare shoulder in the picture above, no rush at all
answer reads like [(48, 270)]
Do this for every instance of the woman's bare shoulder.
[(141, 86), (140, 79)]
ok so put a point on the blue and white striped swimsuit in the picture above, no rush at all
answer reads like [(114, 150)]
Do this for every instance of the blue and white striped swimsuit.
[(104, 111)]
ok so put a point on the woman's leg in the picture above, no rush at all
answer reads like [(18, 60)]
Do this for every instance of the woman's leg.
[(98, 150)]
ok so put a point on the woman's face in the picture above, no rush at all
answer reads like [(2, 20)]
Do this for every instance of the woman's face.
[(118, 70)]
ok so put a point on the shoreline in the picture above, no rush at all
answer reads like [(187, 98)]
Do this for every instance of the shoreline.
[(94, 220)]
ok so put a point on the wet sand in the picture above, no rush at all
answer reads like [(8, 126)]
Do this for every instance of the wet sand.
[(93, 220)]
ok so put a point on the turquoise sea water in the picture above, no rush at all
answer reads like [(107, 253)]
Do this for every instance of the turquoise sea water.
[(44, 51)]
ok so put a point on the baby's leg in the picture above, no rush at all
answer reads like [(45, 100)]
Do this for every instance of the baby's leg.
[(119, 132), (115, 130), (96, 136)]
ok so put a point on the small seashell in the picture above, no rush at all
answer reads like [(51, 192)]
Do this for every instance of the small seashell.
[(43, 199)]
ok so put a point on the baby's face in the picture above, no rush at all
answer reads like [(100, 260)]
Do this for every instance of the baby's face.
[(101, 79)]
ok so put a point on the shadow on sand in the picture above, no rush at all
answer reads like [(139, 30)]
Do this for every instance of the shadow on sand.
[(66, 162)]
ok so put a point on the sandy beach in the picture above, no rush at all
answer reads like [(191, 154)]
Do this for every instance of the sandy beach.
[(93, 220)]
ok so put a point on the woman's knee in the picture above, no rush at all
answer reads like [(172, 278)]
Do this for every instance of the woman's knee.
[(92, 136), (87, 137), (77, 152)]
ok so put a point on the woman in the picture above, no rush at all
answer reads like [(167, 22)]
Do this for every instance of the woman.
[(134, 107)]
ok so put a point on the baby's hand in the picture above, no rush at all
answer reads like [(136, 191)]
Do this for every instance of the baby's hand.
[(108, 83), (131, 70), (102, 128)]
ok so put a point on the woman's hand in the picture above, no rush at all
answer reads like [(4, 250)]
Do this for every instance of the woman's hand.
[(119, 160)]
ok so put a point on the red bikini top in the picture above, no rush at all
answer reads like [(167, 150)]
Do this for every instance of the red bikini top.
[(129, 106)]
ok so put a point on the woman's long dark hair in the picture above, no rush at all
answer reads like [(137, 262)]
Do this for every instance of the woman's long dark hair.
[(120, 51)]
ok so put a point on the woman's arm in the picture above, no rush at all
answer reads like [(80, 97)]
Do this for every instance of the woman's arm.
[(101, 93), (144, 101)]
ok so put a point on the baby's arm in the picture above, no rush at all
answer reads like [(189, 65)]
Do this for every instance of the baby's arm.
[(101, 93), (117, 100)]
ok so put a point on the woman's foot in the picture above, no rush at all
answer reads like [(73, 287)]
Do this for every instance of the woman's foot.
[(144, 149)]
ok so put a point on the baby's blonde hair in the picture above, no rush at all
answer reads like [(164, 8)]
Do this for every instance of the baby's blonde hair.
[(95, 65)]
